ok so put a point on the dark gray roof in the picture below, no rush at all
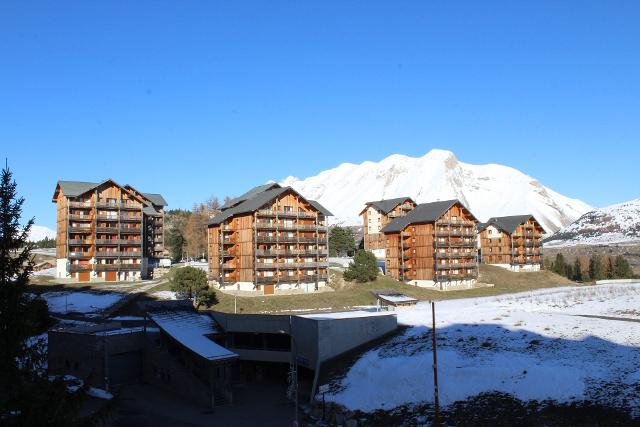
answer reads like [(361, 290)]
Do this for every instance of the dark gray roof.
[(149, 210), (77, 188), (249, 194), (155, 198), (324, 211), (388, 205), (507, 223), (257, 201), (423, 213)]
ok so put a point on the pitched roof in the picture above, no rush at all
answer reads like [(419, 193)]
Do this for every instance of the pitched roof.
[(249, 194), (78, 188), (388, 205), (507, 223), (425, 212), (155, 198), (324, 211), (258, 200)]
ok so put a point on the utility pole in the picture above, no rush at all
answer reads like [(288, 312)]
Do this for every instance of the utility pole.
[(436, 402)]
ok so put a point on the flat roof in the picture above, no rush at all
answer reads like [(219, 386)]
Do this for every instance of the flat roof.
[(397, 298), (345, 315), (190, 329)]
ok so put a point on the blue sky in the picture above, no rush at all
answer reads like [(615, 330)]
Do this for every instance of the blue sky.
[(219, 96)]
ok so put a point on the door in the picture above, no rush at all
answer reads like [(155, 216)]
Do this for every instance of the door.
[(83, 276), (111, 276), (268, 289)]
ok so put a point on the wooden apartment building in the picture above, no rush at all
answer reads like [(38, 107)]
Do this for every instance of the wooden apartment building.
[(376, 215), (269, 239), (513, 242), (106, 232), (434, 245)]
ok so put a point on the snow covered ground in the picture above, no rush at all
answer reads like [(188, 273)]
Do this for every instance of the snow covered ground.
[(535, 345), (45, 272), (81, 301), (167, 295)]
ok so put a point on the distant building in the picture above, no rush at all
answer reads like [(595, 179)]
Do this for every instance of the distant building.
[(376, 215), (512, 242), (44, 265), (106, 232), (434, 246), (269, 239)]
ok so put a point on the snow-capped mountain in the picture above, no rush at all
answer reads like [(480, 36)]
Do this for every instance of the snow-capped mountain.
[(39, 232), (487, 190), (618, 223)]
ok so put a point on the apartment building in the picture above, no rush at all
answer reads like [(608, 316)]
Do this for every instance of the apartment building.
[(433, 245), (269, 239), (512, 242), (376, 215), (102, 231)]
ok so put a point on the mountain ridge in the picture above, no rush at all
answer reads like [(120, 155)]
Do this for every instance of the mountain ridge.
[(487, 190)]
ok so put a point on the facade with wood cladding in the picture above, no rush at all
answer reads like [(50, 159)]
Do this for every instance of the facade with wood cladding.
[(512, 242), (101, 231), (434, 246), (376, 215), (270, 239)]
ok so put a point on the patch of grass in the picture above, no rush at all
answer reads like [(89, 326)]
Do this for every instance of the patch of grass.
[(358, 294)]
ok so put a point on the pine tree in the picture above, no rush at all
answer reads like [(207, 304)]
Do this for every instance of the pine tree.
[(577, 271), (363, 268), (559, 265), (192, 283), (596, 268), (27, 396), (609, 267), (341, 241), (622, 269)]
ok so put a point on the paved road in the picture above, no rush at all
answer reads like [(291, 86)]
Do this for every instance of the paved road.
[(619, 319)]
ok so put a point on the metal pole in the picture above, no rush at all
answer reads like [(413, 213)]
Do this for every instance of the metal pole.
[(436, 402)]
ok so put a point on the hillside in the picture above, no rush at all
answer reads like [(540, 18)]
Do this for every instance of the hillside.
[(487, 190), (615, 224)]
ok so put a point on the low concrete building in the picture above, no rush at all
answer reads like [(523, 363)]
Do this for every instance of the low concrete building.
[(200, 356)]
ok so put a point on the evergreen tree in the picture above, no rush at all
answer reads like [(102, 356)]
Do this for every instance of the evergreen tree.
[(596, 268), (609, 267), (27, 396), (363, 268), (559, 265), (341, 241), (622, 269), (568, 271), (577, 271), (192, 283)]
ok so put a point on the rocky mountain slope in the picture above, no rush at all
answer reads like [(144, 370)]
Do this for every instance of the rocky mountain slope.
[(616, 224), (487, 190)]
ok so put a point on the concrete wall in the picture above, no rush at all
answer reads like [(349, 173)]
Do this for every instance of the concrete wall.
[(337, 336), (83, 355)]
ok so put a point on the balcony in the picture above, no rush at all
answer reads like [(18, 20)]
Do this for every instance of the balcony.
[(456, 244), (118, 266), (130, 230), (107, 230), (130, 242), (229, 266), (80, 204), (82, 242), (284, 214), (108, 254), (107, 205), (447, 255), (77, 217), (455, 266), (228, 241), (448, 222), (455, 233), (79, 267), (130, 218), (83, 230), (130, 206), (80, 255), (111, 218), (130, 254), (450, 277)]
